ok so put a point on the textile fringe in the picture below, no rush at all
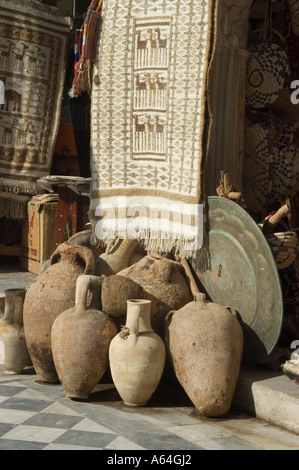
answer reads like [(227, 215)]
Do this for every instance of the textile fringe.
[(200, 258), (14, 207)]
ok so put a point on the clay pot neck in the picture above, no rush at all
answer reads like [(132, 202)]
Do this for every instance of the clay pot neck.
[(85, 283), (126, 248), (13, 298), (74, 254), (119, 257), (200, 298), (138, 316)]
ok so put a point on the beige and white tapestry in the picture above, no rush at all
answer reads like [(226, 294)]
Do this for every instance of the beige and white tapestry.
[(150, 122), (33, 45)]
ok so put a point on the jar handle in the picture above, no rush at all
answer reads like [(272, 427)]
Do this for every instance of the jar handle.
[(73, 252), (84, 284)]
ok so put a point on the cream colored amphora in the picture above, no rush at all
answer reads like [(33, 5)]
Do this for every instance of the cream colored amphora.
[(137, 356)]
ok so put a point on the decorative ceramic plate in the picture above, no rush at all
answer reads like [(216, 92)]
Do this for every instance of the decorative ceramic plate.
[(242, 274)]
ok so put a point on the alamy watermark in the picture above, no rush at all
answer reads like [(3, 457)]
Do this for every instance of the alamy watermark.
[(295, 94), (124, 218), (295, 354)]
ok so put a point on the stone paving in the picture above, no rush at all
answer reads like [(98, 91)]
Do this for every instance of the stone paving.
[(38, 416)]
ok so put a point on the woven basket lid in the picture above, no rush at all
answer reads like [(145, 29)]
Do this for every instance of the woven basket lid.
[(282, 132), (270, 164), (258, 167), (267, 68)]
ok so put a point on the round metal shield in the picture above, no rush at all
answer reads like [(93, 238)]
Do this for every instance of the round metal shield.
[(241, 273)]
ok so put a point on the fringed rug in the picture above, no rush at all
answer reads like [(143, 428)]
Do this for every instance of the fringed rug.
[(150, 122), (33, 45)]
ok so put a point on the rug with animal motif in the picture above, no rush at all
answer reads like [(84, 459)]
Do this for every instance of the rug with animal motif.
[(150, 122), (33, 45)]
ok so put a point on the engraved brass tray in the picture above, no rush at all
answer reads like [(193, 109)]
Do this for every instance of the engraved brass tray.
[(242, 274)]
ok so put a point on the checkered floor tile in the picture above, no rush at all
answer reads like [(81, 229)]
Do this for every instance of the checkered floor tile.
[(38, 416)]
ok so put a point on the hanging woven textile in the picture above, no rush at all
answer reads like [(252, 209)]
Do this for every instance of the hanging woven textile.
[(150, 122), (84, 50), (33, 42)]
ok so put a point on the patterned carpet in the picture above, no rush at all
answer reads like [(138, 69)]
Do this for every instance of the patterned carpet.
[(149, 121), (33, 50)]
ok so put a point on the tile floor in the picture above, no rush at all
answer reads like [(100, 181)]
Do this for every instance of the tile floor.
[(38, 416)]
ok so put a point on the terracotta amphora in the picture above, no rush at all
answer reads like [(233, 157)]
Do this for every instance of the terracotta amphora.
[(137, 356), (16, 355), (164, 284), (205, 343), (116, 290), (52, 292), (80, 339)]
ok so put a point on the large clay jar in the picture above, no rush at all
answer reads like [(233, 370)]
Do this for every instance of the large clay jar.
[(205, 344), (116, 290), (80, 341), (16, 355), (163, 279), (164, 283), (52, 292), (137, 356)]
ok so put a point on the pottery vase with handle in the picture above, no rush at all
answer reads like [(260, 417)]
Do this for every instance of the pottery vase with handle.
[(137, 355), (80, 339), (52, 292)]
